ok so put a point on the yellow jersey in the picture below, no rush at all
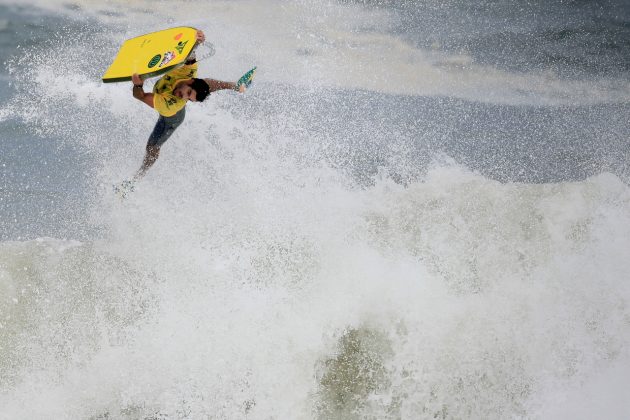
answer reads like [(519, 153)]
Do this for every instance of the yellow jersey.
[(164, 101)]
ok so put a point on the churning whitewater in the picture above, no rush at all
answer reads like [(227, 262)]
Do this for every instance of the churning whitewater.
[(417, 211)]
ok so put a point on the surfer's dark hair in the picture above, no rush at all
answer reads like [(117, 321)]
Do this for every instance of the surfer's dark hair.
[(201, 87)]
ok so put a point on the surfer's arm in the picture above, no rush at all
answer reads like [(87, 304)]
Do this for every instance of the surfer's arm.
[(219, 85), (138, 91), (200, 39)]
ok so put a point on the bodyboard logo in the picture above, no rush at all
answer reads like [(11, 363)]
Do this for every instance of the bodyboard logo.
[(178, 36), (180, 46), (168, 57), (154, 61)]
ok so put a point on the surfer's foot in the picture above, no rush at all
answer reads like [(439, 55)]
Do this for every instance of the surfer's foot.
[(124, 188)]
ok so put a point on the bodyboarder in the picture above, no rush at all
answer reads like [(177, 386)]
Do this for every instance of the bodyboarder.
[(169, 97)]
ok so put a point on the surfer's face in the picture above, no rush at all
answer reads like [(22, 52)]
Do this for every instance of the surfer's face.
[(184, 91)]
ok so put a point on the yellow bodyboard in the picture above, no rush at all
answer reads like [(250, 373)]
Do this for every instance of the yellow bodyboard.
[(152, 54)]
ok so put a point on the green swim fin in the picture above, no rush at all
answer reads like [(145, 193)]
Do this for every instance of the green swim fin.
[(246, 79)]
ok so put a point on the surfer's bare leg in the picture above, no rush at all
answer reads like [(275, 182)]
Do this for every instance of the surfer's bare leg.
[(151, 155), (163, 129)]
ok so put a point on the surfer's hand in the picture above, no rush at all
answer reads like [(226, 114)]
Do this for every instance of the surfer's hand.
[(201, 37), (242, 88), (136, 79)]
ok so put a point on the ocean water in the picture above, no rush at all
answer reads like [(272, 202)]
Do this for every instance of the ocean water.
[(420, 210)]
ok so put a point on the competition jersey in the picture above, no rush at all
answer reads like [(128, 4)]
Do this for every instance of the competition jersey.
[(164, 101)]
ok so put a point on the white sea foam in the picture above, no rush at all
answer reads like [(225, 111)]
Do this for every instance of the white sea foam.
[(221, 304), (247, 277)]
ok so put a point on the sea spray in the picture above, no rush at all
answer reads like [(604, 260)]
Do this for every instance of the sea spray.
[(329, 245)]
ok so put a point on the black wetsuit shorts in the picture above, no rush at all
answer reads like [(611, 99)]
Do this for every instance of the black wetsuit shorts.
[(165, 127)]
